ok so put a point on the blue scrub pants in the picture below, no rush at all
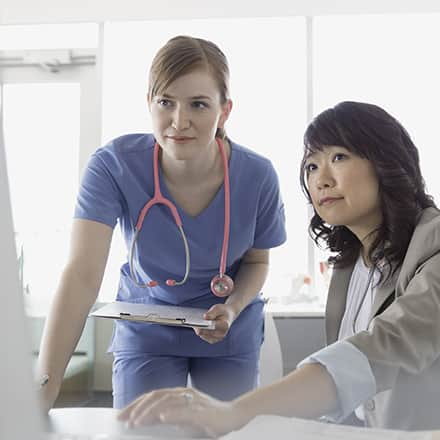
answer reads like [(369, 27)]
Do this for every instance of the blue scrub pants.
[(224, 378)]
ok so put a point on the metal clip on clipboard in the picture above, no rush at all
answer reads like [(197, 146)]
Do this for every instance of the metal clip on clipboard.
[(155, 314), (153, 317)]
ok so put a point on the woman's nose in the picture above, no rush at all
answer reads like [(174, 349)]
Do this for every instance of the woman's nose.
[(325, 179), (180, 119)]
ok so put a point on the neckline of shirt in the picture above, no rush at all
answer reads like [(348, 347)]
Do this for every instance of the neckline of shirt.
[(219, 194)]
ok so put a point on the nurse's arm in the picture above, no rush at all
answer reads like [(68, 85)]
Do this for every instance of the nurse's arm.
[(247, 284), (250, 279), (76, 293)]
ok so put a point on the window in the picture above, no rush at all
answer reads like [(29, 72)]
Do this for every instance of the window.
[(50, 121), (41, 123), (389, 60)]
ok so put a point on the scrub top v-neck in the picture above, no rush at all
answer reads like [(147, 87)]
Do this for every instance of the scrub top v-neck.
[(219, 197)]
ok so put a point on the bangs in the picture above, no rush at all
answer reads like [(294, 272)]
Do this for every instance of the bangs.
[(170, 70), (327, 130)]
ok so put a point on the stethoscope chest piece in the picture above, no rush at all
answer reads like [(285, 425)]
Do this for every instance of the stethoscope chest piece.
[(222, 285)]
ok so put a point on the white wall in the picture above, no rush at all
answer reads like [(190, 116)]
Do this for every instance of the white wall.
[(61, 11)]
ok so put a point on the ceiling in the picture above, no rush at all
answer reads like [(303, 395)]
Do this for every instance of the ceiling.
[(68, 11)]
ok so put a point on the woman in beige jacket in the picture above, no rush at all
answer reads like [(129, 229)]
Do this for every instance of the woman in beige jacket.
[(361, 173)]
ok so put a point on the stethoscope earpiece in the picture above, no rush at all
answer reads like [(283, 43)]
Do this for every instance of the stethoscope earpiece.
[(171, 282)]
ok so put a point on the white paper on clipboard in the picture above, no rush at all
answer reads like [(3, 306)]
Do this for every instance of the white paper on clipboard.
[(156, 314)]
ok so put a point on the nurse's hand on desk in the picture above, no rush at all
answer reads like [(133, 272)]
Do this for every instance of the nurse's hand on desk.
[(223, 315), (196, 413)]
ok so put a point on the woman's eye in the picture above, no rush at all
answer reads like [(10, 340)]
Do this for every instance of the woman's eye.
[(199, 104), (310, 167), (339, 156), (164, 102)]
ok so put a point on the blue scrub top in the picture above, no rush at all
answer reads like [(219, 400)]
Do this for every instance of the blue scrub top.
[(118, 182)]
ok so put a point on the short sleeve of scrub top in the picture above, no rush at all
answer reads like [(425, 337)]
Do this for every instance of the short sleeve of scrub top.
[(99, 198), (118, 182), (270, 217)]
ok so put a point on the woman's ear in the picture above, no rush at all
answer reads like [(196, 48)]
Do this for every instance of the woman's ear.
[(227, 107)]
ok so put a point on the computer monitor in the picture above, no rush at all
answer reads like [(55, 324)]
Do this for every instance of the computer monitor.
[(20, 414)]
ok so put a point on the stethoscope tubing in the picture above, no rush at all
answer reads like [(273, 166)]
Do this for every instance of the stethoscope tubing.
[(227, 224), (158, 198)]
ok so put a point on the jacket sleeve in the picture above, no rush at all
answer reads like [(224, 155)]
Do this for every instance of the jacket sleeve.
[(407, 334), (354, 385)]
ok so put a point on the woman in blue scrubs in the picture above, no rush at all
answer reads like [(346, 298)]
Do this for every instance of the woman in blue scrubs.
[(189, 103)]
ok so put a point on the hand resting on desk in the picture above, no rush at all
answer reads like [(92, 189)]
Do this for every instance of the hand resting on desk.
[(196, 413)]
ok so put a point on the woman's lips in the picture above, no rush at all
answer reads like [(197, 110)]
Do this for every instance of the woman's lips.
[(180, 139), (328, 200)]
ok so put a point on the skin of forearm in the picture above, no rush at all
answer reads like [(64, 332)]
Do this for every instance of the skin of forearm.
[(248, 283), (64, 326), (308, 392)]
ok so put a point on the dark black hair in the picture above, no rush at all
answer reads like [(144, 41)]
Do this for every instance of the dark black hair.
[(370, 132)]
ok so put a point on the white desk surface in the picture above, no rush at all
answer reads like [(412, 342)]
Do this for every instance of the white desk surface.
[(100, 421), (95, 421)]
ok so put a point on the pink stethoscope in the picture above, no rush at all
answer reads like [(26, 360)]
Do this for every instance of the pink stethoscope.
[(221, 284)]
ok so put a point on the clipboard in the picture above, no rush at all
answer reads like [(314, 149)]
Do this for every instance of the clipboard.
[(155, 314)]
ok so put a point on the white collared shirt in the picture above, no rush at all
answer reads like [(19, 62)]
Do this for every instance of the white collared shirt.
[(360, 296), (355, 384)]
